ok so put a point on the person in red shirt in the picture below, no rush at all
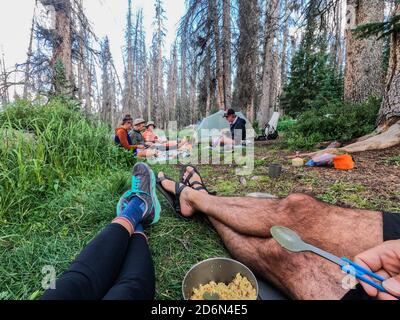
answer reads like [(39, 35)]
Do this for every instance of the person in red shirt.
[(123, 139)]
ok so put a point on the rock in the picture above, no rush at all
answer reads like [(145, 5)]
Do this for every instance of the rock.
[(334, 145), (243, 181)]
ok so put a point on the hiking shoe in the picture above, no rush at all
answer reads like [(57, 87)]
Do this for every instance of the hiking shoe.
[(143, 187)]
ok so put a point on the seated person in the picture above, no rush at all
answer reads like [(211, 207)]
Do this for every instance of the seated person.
[(150, 138), (369, 238), (237, 130), (123, 139), (149, 135)]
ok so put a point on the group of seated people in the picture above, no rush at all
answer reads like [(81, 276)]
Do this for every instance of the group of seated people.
[(139, 136)]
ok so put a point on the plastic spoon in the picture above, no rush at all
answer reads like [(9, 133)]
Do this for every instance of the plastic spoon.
[(291, 241)]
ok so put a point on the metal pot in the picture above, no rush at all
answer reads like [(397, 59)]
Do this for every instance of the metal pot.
[(275, 170), (217, 270)]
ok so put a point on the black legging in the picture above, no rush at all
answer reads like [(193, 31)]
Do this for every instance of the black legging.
[(113, 266)]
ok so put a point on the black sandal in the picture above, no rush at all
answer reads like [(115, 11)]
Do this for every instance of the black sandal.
[(173, 199), (187, 183)]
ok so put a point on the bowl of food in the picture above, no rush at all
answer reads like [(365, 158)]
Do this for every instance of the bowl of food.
[(220, 279)]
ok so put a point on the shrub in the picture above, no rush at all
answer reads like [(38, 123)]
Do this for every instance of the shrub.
[(334, 121), (286, 124)]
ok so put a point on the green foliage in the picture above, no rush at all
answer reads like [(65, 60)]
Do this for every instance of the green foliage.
[(258, 130), (335, 121), (394, 160), (379, 29), (313, 81), (44, 148), (286, 124)]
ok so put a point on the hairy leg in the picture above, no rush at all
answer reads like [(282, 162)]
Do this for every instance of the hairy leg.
[(338, 230), (244, 224), (302, 276)]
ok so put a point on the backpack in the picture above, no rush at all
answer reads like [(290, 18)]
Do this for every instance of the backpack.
[(271, 133)]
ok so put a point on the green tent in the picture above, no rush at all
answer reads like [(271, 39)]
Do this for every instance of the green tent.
[(216, 125)]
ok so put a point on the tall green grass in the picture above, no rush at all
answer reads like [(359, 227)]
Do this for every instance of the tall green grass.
[(46, 147)]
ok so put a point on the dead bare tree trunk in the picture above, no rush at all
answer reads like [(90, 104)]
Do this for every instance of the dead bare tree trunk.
[(363, 74), (208, 81), (227, 64), (63, 45), (218, 55), (271, 24), (337, 50), (5, 97), (27, 83), (285, 40)]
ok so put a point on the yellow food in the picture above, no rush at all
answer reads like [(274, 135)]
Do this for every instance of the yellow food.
[(239, 289)]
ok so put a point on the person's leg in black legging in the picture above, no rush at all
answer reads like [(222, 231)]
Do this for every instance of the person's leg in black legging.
[(94, 271), (136, 280)]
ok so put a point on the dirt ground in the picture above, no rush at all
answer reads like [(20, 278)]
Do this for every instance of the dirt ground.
[(373, 184)]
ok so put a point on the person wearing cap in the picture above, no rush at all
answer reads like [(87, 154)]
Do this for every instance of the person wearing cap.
[(138, 140), (149, 136), (237, 128), (136, 133)]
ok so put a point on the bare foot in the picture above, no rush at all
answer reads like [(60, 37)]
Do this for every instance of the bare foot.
[(186, 208), (195, 178)]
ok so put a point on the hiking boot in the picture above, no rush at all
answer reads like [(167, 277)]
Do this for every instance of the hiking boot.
[(143, 187)]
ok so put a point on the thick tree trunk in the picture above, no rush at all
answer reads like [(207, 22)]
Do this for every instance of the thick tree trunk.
[(363, 74), (227, 40), (390, 108), (247, 58), (218, 55), (62, 51)]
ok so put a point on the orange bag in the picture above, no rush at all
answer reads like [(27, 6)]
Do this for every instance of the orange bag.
[(344, 162)]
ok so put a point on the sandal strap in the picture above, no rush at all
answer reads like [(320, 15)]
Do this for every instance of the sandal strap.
[(164, 178), (179, 187), (187, 180)]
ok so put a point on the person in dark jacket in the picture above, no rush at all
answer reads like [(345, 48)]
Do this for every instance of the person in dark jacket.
[(237, 129)]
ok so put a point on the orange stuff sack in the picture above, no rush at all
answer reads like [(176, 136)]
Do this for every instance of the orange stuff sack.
[(344, 162)]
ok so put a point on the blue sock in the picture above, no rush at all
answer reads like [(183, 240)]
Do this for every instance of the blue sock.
[(139, 228), (134, 211)]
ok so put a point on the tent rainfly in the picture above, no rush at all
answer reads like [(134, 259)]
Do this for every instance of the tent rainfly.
[(216, 124)]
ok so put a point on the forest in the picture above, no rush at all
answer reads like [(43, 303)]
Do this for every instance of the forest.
[(330, 68)]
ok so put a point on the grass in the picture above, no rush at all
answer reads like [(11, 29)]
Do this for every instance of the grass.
[(59, 185), (60, 180), (394, 160)]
